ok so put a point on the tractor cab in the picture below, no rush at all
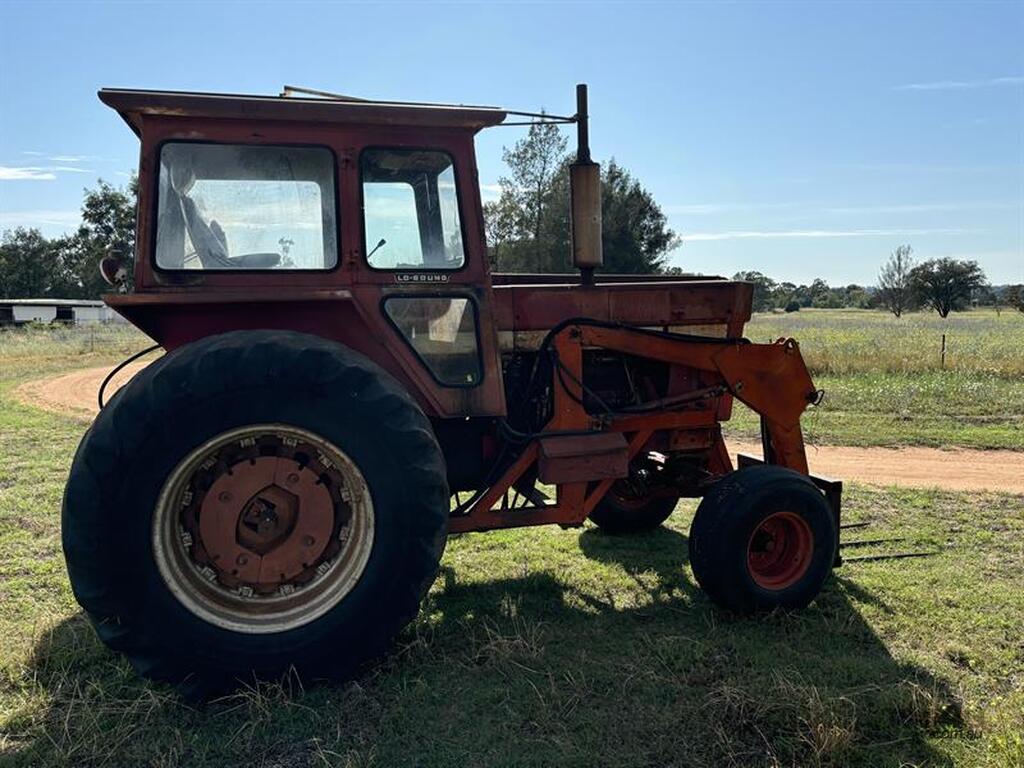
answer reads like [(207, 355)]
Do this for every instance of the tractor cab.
[(362, 222), (356, 220)]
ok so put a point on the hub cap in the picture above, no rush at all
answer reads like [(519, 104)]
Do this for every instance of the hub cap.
[(263, 528), (779, 551)]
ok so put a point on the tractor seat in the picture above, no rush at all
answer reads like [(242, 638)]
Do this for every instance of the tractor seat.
[(255, 260)]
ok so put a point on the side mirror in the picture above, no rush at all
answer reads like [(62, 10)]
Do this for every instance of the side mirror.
[(113, 270)]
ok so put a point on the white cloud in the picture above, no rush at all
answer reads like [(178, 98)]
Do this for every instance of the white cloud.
[(8, 173), (42, 219), (705, 209), (37, 172), (960, 85), (927, 207), (814, 233), (80, 159)]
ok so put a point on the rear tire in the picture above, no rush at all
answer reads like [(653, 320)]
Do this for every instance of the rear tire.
[(629, 507), (620, 515), (249, 398), (763, 537)]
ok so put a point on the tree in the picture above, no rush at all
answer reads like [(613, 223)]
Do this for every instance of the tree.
[(518, 217), (108, 225), (635, 234), (1014, 296), (855, 295), (763, 288), (528, 227), (946, 285), (894, 289), (32, 266), (784, 294), (502, 229), (28, 265)]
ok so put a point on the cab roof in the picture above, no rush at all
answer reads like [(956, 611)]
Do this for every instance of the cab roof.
[(135, 105)]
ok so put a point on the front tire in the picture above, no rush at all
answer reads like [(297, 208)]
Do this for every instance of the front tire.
[(763, 537), (234, 511)]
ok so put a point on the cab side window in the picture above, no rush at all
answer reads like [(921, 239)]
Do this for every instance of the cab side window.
[(227, 207), (411, 210), (442, 331)]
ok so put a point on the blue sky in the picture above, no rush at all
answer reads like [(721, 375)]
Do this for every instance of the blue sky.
[(801, 140)]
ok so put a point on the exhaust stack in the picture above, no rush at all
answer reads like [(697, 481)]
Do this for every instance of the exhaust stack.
[(585, 197)]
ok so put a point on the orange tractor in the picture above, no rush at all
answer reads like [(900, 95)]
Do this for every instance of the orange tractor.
[(346, 384)]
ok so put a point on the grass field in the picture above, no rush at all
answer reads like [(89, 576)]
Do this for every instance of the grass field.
[(547, 647), (884, 381)]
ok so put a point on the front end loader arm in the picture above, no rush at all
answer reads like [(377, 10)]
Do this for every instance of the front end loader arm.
[(771, 379)]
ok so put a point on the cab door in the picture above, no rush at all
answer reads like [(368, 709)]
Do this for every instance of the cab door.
[(422, 264)]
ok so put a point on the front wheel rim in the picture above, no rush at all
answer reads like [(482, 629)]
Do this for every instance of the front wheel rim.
[(263, 528), (779, 551)]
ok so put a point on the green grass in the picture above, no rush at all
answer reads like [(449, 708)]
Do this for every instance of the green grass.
[(881, 375), (883, 381), (548, 647), (859, 340), (33, 351)]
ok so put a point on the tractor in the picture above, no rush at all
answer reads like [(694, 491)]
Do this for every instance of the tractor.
[(346, 384)]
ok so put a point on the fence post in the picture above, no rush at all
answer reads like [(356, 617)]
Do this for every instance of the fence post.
[(942, 360)]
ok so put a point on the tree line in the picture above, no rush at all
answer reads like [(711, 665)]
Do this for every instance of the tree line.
[(943, 285), (33, 266), (528, 230)]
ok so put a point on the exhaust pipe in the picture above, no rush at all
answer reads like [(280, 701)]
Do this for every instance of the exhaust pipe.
[(585, 197)]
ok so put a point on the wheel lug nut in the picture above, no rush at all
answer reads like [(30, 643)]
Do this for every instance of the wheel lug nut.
[(224, 496), (308, 541), (242, 560), (292, 479)]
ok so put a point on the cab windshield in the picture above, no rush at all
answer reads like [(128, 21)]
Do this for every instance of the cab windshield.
[(228, 207)]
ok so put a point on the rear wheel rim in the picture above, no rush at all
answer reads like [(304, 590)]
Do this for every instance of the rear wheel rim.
[(263, 528), (779, 551)]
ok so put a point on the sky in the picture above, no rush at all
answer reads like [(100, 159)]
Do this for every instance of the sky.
[(799, 140)]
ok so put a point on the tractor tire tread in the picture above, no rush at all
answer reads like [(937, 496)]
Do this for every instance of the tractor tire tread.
[(148, 405)]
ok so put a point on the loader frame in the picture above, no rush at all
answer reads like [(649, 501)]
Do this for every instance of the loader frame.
[(750, 372)]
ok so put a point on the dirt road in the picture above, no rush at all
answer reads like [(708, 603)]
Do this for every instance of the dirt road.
[(75, 393), (956, 469)]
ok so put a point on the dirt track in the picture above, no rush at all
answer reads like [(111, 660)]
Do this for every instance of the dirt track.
[(957, 469), (75, 393)]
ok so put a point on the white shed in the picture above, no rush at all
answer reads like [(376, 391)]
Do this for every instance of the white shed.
[(26, 313), (76, 311)]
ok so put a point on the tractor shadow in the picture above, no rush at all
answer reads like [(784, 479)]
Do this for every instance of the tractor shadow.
[(815, 687), (611, 656)]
